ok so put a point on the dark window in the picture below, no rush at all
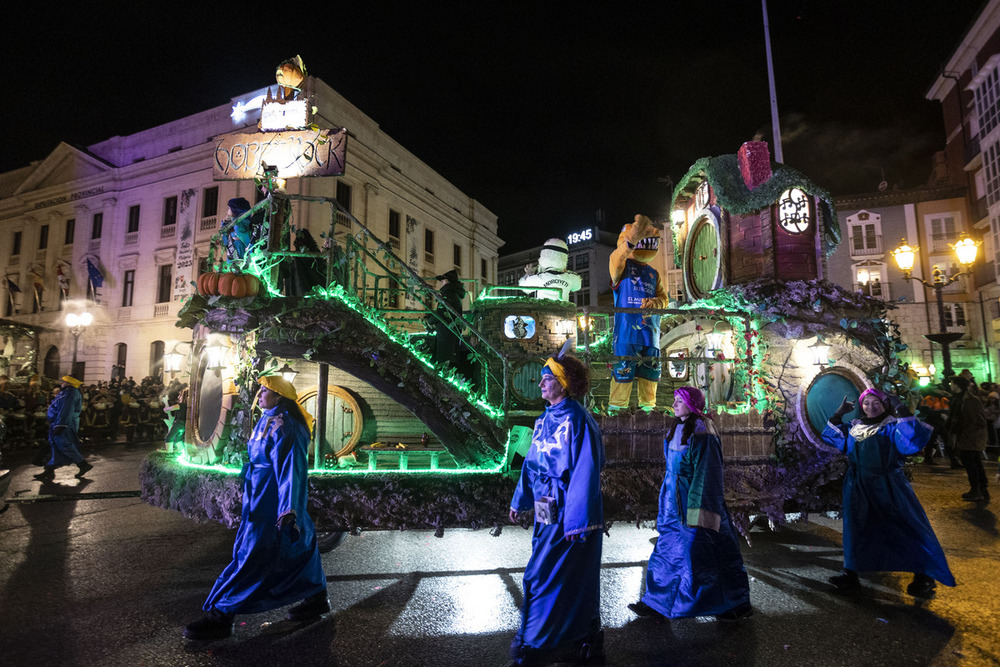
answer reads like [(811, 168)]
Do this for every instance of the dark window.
[(16, 248), (393, 224), (43, 237), (70, 231), (169, 211), (210, 202), (458, 256), (344, 195), (429, 243), (582, 261), (128, 287), (164, 283), (482, 268), (133, 219), (98, 227)]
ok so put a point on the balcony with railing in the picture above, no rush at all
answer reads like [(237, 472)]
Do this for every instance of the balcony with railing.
[(168, 231), (131, 238), (876, 289), (208, 224), (161, 310), (866, 246), (943, 242)]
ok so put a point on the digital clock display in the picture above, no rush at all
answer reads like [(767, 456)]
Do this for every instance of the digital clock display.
[(580, 237)]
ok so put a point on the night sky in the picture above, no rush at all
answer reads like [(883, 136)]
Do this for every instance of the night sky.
[(544, 112)]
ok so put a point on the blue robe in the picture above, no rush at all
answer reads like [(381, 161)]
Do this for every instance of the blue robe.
[(885, 527), (696, 568), (562, 580), (270, 567), (64, 425)]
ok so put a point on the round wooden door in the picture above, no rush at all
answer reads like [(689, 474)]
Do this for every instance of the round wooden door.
[(704, 259)]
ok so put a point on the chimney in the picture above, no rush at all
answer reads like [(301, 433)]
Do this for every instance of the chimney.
[(755, 163)]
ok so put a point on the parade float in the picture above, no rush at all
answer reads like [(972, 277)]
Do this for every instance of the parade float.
[(404, 442)]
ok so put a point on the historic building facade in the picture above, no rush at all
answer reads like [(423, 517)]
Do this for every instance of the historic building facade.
[(120, 228)]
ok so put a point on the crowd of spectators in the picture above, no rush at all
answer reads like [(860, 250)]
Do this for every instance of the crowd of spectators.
[(118, 409)]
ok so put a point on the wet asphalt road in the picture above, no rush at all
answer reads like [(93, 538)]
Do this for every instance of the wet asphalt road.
[(112, 581)]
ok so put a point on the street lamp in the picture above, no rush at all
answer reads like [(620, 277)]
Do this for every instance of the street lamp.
[(966, 249), (288, 372), (76, 324)]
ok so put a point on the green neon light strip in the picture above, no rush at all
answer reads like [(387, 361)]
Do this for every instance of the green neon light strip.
[(185, 462)]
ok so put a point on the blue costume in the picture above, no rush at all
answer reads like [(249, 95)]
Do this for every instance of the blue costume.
[(696, 568), (636, 334), (271, 567), (64, 424), (562, 578), (885, 527)]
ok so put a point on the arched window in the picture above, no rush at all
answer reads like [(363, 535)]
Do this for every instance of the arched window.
[(50, 367), (156, 350)]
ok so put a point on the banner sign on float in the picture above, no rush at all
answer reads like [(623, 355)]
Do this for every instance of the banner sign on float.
[(296, 154)]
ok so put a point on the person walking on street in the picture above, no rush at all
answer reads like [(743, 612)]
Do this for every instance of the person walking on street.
[(276, 559), (967, 423), (885, 527), (561, 481), (64, 427), (696, 568)]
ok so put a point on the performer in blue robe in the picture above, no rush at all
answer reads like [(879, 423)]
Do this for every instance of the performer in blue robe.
[(885, 527), (561, 481), (64, 425), (696, 568), (275, 557)]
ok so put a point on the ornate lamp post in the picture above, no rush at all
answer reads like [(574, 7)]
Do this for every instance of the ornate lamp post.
[(77, 323), (966, 249)]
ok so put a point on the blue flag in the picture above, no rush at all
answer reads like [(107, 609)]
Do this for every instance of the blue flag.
[(96, 279), (12, 287)]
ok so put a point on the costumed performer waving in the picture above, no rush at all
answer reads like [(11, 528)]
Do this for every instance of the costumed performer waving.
[(885, 527), (275, 557), (561, 481), (696, 568)]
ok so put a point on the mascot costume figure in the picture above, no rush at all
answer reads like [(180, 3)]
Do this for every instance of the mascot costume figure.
[(551, 271), (635, 284)]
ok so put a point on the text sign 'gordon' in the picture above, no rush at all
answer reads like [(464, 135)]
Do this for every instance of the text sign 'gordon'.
[(296, 154)]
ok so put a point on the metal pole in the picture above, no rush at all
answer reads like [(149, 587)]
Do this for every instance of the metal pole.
[(319, 450), (775, 125), (945, 352)]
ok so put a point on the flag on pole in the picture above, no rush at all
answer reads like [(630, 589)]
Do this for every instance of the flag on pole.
[(96, 278), (12, 286)]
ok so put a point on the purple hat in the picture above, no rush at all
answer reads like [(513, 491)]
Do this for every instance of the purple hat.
[(882, 398), (693, 398)]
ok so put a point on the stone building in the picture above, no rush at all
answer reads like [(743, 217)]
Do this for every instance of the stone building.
[(121, 228)]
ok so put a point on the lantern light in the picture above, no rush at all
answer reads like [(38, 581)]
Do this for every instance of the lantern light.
[(966, 249), (820, 352), (905, 256), (215, 356), (288, 372)]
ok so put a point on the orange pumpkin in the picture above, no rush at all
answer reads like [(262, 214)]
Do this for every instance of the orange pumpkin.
[(203, 283), (238, 288), (212, 284), (226, 283), (253, 285)]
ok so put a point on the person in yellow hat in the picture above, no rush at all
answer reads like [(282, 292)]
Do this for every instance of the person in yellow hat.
[(64, 426), (276, 558)]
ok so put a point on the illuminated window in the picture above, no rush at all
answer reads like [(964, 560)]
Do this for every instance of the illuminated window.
[(519, 326), (793, 211), (701, 197)]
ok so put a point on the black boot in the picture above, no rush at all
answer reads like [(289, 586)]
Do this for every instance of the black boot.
[(84, 468), (846, 582), (973, 495), (737, 613), (214, 625), (311, 608), (46, 475), (922, 586)]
